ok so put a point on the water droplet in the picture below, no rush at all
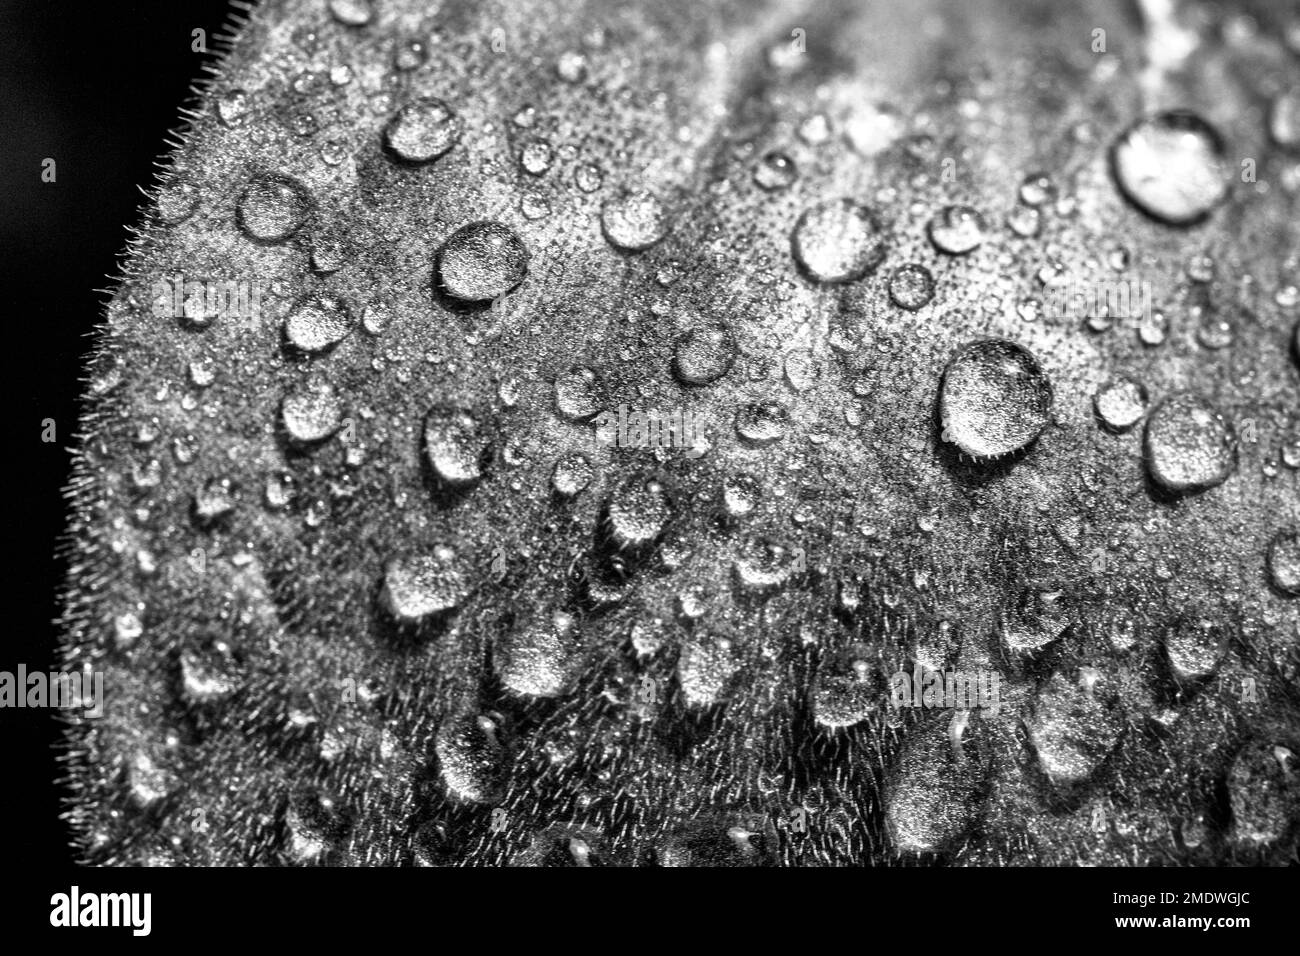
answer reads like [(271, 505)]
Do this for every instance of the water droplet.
[(422, 131), (1284, 563), (177, 202), (994, 398), (454, 446), (588, 177), (1171, 167), (704, 355), (352, 13), (416, 586), (410, 55), (534, 661), (911, 286), (871, 130), (573, 473), (536, 157), (482, 261), (207, 676), (762, 423), (957, 230), (1121, 404), (1284, 119), (638, 511), (1200, 268), (634, 220), (1213, 331), (815, 129), (471, 757), (838, 241), (704, 668), (232, 107), (1188, 447), (1037, 189), (740, 494), (846, 689), (272, 208), (1263, 792), (1193, 650), (1025, 221), (775, 171), (571, 67), (317, 324), (1071, 729), (312, 412), (579, 393)]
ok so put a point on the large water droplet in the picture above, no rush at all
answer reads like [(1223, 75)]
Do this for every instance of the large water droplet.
[(420, 132), (957, 230), (1071, 730), (454, 445), (272, 208), (838, 241), (704, 355), (482, 261), (1188, 446), (994, 399), (634, 220), (1171, 167), (417, 586)]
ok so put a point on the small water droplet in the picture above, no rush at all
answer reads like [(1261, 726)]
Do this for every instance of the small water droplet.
[(911, 286), (579, 393), (775, 171), (957, 230), (762, 423), (352, 13), (573, 473), (1121, 404)]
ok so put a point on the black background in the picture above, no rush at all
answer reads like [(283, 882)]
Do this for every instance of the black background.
[(96, 87)]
